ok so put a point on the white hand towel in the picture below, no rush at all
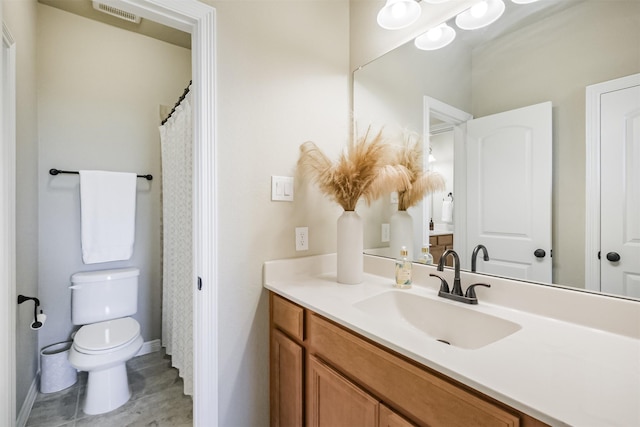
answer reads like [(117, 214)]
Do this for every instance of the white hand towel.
[(108, 215), (447, 211)]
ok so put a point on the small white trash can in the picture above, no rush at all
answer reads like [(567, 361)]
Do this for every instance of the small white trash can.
[(56, 373)]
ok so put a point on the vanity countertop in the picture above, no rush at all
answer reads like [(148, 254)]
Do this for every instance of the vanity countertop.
[(439, 232), (575, 361)]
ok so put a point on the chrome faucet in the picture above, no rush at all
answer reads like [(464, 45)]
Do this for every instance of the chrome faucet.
[(456, 294), (474, 256)]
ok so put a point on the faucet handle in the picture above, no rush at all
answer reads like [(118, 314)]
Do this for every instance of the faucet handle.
[(444, 286), (471, 293)]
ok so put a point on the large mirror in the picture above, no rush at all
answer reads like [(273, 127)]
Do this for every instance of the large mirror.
[(547, 51)]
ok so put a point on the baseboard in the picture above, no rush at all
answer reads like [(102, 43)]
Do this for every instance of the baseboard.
[(25, 411), (149, 347)]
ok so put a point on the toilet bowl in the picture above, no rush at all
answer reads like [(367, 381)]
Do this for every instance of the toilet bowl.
[(102, 302), (102, 349)]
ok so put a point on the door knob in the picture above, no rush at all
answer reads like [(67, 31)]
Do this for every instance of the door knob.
[(613, 256), (539, 253)]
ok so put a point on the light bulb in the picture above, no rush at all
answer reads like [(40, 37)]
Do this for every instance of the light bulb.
[(399, 10), (480, 15), (478, 10), (434, 33), (398, 14), (435, 38)]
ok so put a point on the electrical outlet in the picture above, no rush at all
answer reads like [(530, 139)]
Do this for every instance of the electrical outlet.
[(302, 238), (385, 233)]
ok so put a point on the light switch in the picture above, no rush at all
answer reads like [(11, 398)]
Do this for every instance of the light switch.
[(384, 233), (282, 188)]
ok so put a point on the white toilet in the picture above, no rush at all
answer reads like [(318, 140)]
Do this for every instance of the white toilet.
[(102, 301)]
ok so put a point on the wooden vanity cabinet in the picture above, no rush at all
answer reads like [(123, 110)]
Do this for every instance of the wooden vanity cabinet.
[(438, 244), (324, 375)]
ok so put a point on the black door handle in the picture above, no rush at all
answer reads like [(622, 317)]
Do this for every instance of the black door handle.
[(613, 256), (539, 253)]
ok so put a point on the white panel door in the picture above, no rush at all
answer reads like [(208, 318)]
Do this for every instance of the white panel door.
[(620, 192), (509, 191)]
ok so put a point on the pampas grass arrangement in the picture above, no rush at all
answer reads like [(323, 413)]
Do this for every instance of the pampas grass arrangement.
[(409, 155), (367, 168)]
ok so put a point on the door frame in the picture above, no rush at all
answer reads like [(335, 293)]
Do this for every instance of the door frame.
[(198, 19), (454, 119), (592, 171), (7, 229)]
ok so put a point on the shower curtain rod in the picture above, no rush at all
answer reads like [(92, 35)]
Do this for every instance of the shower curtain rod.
[(173, 110), (148, 177)]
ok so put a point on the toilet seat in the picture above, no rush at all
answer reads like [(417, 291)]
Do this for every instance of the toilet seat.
[(105, 337)]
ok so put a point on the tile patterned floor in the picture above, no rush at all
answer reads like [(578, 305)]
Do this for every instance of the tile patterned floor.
[(157, 400)]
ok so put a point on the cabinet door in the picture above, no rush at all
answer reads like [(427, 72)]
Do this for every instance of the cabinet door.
[(334, 401), (286, 381), (388, 418)]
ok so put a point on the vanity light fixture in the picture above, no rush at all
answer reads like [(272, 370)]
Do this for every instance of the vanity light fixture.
[(481, 14), (397, 14), (435, 38)]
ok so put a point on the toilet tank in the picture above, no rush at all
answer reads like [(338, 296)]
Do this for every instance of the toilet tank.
[(102, 295)]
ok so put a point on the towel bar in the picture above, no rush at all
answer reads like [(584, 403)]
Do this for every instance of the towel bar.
[(148, 177)]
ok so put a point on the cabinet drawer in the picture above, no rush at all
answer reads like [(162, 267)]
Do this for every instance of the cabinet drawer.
[(445, 240), (287, 317), (420, 395), (441, 240)]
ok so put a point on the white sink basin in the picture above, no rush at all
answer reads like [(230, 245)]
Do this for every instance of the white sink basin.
[(447, 322)]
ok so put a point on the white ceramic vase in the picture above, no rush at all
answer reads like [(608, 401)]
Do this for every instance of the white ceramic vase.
[(350, 248), (401, 234)]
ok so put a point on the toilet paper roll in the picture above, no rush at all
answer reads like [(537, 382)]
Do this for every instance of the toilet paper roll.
[(40, 319)]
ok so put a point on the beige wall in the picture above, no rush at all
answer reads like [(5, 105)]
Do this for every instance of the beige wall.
[(99, 92), (555, 60), (283, 78), (20, 18)]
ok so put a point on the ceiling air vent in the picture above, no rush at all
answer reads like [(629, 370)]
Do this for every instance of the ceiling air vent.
[(114, 11)]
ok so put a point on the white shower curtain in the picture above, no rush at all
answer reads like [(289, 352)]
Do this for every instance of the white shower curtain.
[(177, 265)]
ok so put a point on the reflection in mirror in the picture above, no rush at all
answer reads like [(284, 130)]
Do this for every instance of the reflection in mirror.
[(552, 54)]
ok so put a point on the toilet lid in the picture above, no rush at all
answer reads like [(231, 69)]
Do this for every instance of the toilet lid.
[(107, 335)]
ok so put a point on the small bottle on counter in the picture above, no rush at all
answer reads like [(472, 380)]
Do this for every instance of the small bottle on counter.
[(431, 224), (426, 257), (403, 270)]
